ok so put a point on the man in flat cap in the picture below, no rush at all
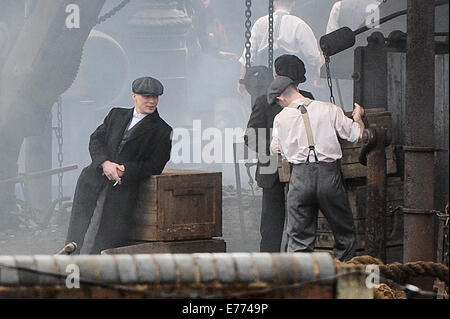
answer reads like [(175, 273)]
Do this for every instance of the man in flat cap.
[(306, 133), (130, 146), (261, 120)]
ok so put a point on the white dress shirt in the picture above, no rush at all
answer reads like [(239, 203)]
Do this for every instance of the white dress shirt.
[(328, 121), (295, 37), (137, 117), (333, 20)]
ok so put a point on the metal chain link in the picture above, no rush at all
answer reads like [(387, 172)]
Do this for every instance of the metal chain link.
[(329, 80), (60, 139), (270, 51), (248, 33), (112, 12)]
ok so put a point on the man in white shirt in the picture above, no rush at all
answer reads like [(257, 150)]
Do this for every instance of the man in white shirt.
[(291, 36), (306, 133)]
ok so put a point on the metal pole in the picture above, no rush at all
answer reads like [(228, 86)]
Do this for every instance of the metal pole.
[(375, 237), (239, 193), (419, 150)]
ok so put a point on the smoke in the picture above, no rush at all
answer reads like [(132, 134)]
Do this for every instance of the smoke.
[(193, 52)]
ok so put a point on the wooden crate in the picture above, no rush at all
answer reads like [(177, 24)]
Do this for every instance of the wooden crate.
[(179, 205)]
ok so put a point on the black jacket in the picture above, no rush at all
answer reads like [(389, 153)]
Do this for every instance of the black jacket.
[(262, 116), (145, 153)]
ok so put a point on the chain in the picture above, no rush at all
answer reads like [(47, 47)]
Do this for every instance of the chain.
[(59, 137), (248, 33), (271, 10), (112, 12), (329, 80)]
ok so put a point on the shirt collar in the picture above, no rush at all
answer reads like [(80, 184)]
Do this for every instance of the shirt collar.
[(300, 101), (137, 115)]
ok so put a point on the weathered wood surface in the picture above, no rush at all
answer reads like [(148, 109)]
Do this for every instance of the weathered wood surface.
[(214, 245), (179, 205), (441, 133)]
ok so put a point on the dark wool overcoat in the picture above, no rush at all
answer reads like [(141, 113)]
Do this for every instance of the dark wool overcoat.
[(262, 117), (145, 153)]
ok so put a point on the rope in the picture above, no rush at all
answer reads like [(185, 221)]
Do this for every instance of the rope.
[(400, 272), (396, 273)]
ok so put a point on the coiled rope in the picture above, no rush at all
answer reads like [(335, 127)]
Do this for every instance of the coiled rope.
[(397, 273)]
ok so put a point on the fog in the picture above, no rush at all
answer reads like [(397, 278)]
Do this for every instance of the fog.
[(193, 51)]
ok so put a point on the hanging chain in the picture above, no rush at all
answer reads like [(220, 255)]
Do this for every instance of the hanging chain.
[(248, 33), (271, 10), (329, 80), (59, 137)]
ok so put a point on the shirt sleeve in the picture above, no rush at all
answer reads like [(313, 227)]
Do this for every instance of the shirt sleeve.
[(333, 21), (274, 144), (345, 127), (309, 46)]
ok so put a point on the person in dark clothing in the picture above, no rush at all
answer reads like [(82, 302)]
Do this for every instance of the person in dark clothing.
[(261, 121), (130, 146)]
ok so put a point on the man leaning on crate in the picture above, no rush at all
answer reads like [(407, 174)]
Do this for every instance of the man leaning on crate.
[(130, 146)]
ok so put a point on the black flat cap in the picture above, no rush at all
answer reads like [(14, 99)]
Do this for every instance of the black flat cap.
[(277, 87), (291, 66), (147, 86)]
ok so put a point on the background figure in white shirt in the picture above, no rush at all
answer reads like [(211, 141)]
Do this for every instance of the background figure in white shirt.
[(292, 35), (353, 14), (316, 180)]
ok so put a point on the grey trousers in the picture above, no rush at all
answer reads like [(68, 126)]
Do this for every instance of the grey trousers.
[(315, 186), (272, 218)]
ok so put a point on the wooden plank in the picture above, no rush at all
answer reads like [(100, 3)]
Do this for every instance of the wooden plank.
[(149, 233), (441, 132), (215, 245), (147, 219), (357, 170), (396, 94), (351, 155)]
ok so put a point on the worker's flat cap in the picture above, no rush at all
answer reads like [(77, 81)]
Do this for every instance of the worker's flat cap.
[(291, 66), (277, 87), (147, 86)]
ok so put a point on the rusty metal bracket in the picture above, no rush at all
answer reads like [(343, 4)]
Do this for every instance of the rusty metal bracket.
[(405, 210), (418, 149), (417, 211), (370, 141), (68, 249)]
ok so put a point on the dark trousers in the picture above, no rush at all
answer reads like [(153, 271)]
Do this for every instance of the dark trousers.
[(272, 218), (315, 186)]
